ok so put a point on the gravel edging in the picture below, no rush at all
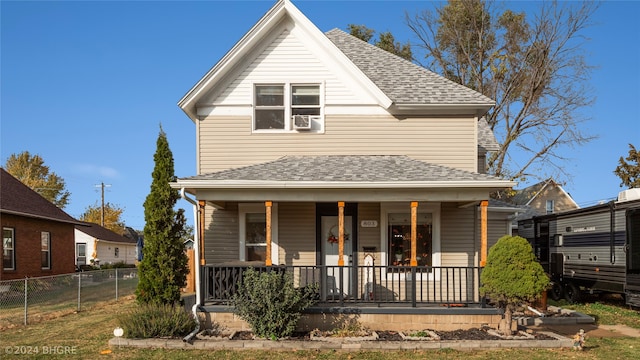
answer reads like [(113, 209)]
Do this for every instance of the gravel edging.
[(225, 344)]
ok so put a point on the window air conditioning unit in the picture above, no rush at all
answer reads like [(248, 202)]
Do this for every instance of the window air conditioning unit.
[(302, 122)]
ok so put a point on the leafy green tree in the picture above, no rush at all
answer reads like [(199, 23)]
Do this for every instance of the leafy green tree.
[(386, 41), (163, 269), (534, 66), (511, 276), (112, 217), (31, 171), (628, 169)]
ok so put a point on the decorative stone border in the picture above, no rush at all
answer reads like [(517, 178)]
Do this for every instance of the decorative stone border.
[(318, 336), (571, 317), (558, 342), (432, 336)]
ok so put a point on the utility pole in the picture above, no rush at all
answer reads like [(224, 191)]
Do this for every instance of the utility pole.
[(102, 186)]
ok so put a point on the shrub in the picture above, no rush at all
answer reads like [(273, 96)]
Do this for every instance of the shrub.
[(157, 320), (270, 303), (117, 265), (512, 275)]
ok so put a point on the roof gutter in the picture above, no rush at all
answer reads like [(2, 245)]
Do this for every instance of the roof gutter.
[(267, 184)]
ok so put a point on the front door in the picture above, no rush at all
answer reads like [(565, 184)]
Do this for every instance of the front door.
[(337, 278), (338, 282)]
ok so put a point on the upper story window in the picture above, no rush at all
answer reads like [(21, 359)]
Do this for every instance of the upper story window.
[(276, 106), (550, 206), (8, 249)]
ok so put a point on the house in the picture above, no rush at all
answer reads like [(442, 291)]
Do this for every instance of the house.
[(96, 245), (545, 197), (354, 169), (37, 236)]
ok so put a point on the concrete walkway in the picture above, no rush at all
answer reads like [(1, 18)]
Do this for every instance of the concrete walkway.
[(591, 330)]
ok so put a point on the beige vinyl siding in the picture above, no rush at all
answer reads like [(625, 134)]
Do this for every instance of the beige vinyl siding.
[(496, 228), (287, 59), (297, 233), (369, 236), (445, 141), (221, 239), (458, 237)]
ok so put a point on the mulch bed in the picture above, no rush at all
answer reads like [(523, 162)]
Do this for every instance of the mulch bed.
[(469, 334)]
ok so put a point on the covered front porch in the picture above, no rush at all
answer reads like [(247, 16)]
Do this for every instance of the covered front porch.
[(414, 245)]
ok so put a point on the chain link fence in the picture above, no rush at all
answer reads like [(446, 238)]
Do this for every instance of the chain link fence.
[(33, 299)]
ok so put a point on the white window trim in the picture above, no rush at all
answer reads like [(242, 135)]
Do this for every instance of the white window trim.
[(431, 207), (553, 206), (288, 124), (253, 208), (13, 248), (48, 249)]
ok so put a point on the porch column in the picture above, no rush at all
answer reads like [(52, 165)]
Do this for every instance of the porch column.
[(340, 233), (200, 230), (268, 205), (483, 232), (414, 225)]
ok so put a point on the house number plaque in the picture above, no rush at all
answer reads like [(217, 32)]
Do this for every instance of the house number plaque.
[(369, 223)]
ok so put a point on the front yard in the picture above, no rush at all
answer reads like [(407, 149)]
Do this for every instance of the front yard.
[(85, 335)]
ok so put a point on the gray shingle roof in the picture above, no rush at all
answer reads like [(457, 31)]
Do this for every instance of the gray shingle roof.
[(403, 81), (18, 199), (102, 233), (486, 138), (345, 168)]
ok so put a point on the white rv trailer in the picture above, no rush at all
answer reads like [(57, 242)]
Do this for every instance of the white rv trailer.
[(594, 249)]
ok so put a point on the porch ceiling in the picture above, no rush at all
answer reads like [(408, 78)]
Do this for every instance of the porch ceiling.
[(344, 178)]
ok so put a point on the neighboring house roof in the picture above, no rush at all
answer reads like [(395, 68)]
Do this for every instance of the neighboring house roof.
[(529, 194), (103, 234), (346, 170), (18, 199), (132, 234), (404, 82), (393, 81)]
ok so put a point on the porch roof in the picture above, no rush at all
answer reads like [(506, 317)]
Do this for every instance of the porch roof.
[(346, 172)]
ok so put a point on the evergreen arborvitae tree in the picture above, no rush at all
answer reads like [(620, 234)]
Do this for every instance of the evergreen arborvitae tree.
[(163, 269), (512, 276)]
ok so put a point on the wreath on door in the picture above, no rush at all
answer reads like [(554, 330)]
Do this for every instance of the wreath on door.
[(332, 238)]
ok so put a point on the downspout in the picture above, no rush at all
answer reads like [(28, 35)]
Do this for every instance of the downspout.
[(196, 250)]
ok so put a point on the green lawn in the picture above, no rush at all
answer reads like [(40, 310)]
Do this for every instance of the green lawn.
[(85, 335)]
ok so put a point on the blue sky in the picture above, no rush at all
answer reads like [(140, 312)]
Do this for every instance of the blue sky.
[(87, 84)]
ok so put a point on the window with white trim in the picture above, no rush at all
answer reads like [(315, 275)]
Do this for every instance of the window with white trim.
[(253, 232), (8, 249), (45, 246), (276, 105), (550, 206), (255, 236), (396, 220)]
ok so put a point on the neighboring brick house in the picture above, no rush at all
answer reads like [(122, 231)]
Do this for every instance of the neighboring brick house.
[(37, 236)]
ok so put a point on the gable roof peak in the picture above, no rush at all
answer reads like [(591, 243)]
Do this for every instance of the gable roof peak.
[(252, 39)]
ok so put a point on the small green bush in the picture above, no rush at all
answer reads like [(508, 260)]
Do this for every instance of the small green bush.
[(157, 320), (117, 265), (512, 275), (270, 303)]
